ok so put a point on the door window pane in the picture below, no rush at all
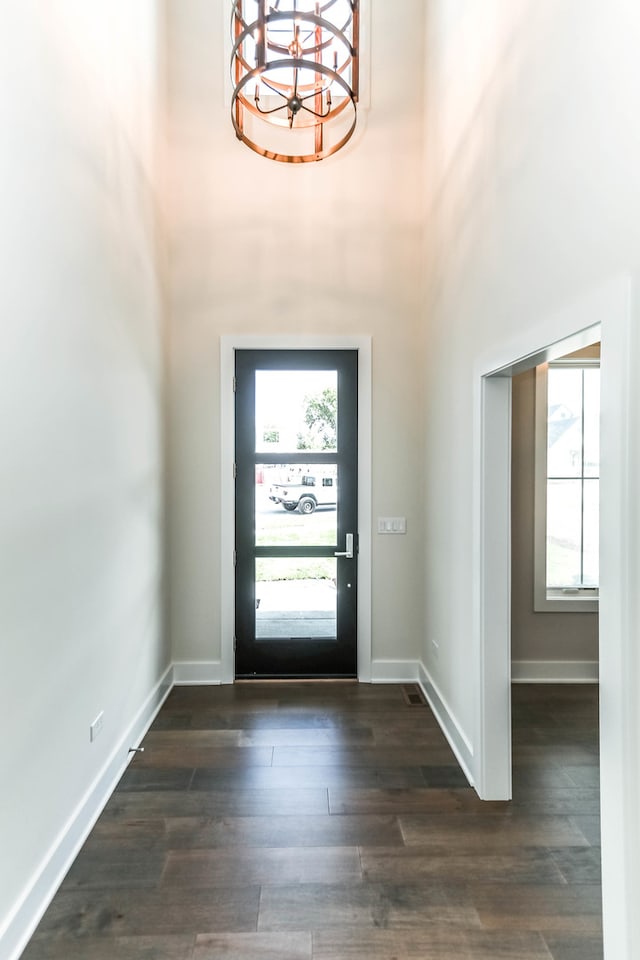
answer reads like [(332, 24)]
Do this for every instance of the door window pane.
[(296, 505), (296, 410), (296, 598)]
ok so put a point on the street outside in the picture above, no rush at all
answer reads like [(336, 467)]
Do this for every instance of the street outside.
[(295, 596)]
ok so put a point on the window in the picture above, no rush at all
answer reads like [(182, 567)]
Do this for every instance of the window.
[(567, 485)]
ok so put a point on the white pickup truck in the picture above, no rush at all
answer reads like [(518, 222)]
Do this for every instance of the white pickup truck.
[(305, 493)]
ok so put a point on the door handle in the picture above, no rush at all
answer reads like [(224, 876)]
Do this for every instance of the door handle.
[(348, 553)]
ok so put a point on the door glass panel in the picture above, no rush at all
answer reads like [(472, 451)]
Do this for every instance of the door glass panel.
[(295, 505), (296, 410), (296, 598)]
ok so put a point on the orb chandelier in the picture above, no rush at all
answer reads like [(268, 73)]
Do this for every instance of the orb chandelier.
[(295, 74)]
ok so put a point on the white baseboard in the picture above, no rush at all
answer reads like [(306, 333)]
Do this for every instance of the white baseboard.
[(201, 672), (31, 905), (554, 671), (394, 671), (448, 723)]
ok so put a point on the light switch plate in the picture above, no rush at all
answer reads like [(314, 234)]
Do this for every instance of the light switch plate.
[(392, 524)]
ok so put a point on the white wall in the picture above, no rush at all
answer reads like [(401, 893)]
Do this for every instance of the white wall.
[(531, 208), (263, 248), (533, 202), (80, 414)]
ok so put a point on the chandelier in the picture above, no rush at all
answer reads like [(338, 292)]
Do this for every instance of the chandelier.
[(295, 73)]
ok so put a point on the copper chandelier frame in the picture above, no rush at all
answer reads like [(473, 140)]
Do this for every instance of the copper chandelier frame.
[(295, 66)]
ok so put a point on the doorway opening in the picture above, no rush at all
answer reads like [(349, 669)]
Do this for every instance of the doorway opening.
[(554, 520), (493, 770)]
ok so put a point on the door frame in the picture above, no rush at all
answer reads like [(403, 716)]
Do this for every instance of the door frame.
[(228, 346), (609, 310)]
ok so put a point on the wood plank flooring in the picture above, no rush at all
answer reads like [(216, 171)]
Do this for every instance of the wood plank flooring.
[(318, 821)]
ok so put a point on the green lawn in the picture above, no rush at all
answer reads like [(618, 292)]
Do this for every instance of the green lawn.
[(294, 568), (295, 530)]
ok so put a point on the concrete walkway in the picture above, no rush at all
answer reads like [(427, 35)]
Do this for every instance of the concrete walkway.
[(296, 609)]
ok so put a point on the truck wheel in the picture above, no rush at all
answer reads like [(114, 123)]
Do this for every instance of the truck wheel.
[(289, 506), (306, 505)]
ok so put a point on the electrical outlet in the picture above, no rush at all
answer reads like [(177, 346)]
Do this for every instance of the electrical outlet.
[(96, 727)]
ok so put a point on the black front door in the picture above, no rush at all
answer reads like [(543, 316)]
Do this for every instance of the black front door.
[(296, 536)]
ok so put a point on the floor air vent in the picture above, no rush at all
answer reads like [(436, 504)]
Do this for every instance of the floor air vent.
[(413, 695)]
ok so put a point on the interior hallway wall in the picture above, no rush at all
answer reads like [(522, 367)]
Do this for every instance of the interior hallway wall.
[(262, 248), (532, 159), (80, 411)]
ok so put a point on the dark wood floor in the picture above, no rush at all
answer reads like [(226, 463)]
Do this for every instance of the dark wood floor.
[(331, 822)]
